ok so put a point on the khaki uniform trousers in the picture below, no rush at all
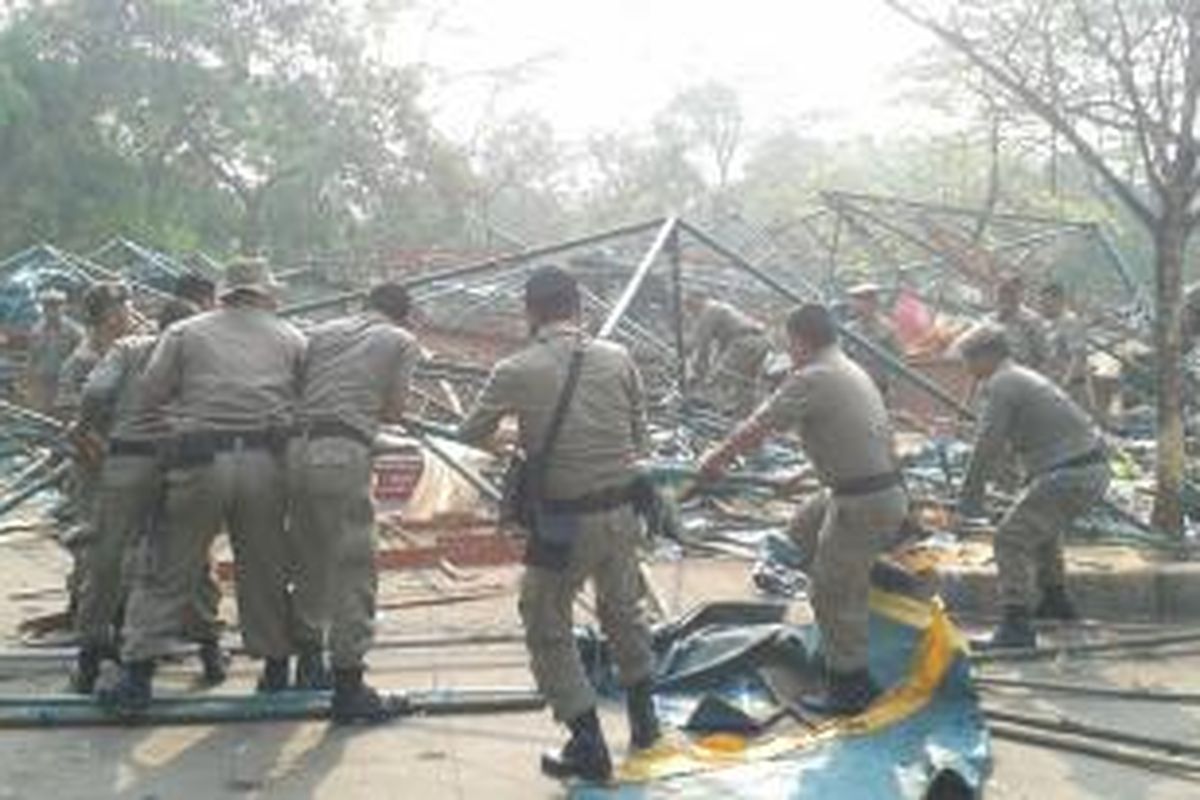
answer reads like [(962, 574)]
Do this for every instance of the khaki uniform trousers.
[(126, 506), (605, 551), (738, 373), (1029, 540), (840, 538), (331, 536), (244, 490)]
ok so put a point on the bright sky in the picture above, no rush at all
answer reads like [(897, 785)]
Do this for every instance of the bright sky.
[(604, 64)]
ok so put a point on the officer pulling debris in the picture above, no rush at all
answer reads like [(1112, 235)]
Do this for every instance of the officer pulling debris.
[(581, 417), (839, 414), (1066, 472), (728, 349), (127, 499), (357, 373), (228, 380)]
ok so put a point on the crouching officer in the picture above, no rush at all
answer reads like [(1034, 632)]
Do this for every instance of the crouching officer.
[(229, 378), (1066, 472), (127, 497), (586, 527), (356, 375), (837, 410)]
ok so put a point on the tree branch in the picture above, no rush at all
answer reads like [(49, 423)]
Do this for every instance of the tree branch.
[(1016, 85)]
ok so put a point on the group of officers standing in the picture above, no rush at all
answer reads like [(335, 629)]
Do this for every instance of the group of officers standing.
[(232, 419)]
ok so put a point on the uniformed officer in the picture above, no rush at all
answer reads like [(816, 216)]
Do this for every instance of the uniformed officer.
[(586, 526), (869, 322), (728, 350), (1065, 469), (106, 315), (51, 341), (1067, 347), (228, 379), (1024, 328), (837, 410), (356, 375), (107, 318), (127, 496)]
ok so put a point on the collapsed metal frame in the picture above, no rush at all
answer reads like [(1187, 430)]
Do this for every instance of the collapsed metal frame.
[(668, 241)]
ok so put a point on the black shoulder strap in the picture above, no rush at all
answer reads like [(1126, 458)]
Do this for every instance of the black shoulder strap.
[(564, 402)]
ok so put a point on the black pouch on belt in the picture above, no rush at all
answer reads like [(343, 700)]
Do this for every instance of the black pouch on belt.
[(190, 450)]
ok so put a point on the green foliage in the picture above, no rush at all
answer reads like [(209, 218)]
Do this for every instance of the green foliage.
[(211, 123)]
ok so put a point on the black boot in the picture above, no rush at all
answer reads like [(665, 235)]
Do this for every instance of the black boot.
[(643, 721), (585, 755), (846, 694), (1056, 605), (133, 691), (311, 672), (213, 662), (354, 701), (1014, 632), (87, 669), (274, 677)]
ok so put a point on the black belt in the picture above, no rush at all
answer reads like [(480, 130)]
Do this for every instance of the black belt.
[(868, 485), (603, 500), (221, 441), (333, 429), (131, 447), (1094, 456)]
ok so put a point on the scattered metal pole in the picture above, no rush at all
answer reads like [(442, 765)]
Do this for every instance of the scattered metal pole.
[(1130, 643), (58, 711), (676, 258), (1141, 695), (479, 267), (639, 277), (1179, 766)]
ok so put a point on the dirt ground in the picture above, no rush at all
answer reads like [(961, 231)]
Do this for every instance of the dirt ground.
[(491, 757)]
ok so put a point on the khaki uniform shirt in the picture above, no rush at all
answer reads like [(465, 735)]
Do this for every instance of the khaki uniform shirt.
[(355, 370), (1024, 410), (74, 375), (1026, 335), (839, 413), (234, 368), (112, 398), (604, 432), (719, 324)]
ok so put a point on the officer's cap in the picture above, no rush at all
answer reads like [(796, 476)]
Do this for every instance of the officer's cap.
[(249, 274)]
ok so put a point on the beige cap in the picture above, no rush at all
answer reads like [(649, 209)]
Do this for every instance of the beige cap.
[(249, 275)]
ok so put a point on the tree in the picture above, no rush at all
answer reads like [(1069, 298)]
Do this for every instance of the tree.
[(267, 124), (1109, 77), (708, 118)]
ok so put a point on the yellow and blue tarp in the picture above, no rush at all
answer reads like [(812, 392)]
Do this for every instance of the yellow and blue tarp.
[(924, 737)]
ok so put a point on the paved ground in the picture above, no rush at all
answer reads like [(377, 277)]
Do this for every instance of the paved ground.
[(482, 757)]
